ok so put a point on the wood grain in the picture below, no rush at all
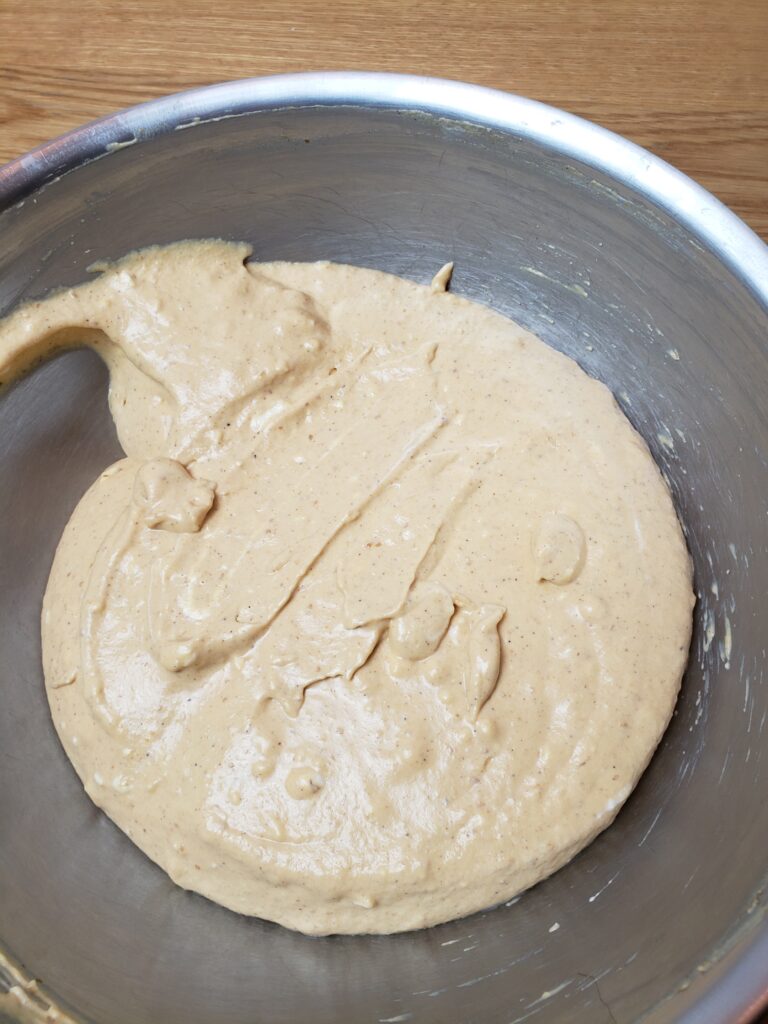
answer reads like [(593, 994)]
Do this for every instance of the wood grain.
[(686, 78)]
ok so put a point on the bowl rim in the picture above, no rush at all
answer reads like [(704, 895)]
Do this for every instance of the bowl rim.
[(737, 990), (722, 231)]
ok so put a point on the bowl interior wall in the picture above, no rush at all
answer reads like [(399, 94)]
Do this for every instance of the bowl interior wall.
[(600, 273)]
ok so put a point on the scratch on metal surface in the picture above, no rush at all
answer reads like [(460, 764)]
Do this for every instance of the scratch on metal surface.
[(617, 196), (591, 979), (726, 644), (501, 970), (575, 288), (548, 995), (690, 878), (652, 826), (525, 1016), (610, 881), (709, 629)]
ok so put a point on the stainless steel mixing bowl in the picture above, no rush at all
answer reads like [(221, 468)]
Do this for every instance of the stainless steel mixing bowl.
[(608, 254)]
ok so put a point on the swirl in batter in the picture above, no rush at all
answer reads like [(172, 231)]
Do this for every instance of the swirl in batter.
[(385, 610)]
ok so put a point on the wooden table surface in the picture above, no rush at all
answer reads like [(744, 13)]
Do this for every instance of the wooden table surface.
[(686, 78)]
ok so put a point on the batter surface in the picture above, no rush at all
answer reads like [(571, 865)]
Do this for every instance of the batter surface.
[(385, 610)]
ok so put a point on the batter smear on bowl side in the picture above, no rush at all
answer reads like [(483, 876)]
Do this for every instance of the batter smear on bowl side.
[(387, 607)]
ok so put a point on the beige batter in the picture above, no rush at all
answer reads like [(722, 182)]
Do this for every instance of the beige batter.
[(387, 607)]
